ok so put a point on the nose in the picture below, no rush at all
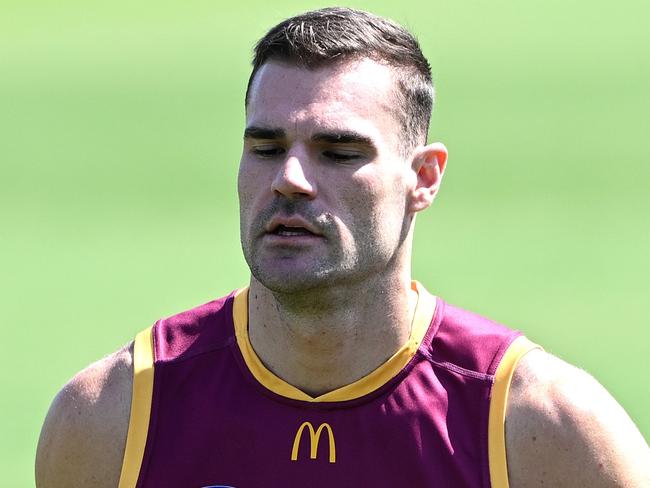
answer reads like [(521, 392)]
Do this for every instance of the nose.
[(292, 181)]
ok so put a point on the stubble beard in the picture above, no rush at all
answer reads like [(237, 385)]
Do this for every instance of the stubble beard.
[(297, 270), (333, 266), (308, 277), (304, 272)]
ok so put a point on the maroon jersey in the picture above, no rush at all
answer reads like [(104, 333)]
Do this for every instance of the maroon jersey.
[(207, 413)]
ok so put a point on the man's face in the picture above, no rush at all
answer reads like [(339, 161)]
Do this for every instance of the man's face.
[(323, 189)]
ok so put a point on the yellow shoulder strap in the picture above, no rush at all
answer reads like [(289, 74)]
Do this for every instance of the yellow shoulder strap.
[(498, 403), (140, 408)]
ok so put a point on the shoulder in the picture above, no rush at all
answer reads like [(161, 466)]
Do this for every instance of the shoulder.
[(469, 340), (563, 429), (83, 437), (198, 330)]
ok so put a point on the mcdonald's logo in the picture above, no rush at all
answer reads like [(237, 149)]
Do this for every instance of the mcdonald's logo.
[(314, 437)]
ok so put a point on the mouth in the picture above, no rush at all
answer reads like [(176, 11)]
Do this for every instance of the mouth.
[(292, 228), (291, 231)]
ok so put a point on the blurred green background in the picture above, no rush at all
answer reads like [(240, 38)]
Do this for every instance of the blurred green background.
[(120, 130)]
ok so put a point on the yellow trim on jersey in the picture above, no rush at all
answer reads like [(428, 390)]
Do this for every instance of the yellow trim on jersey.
[(140, 408), (498, 403), (422, 316)]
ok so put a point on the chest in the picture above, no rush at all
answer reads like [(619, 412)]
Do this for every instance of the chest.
[(428, 429)]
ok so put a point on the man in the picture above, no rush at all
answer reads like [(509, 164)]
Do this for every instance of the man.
[(333, 368)]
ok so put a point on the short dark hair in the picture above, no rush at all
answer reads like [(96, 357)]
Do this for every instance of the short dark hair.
[(320, 37)]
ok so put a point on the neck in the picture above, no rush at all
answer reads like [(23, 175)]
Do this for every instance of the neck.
[(319, 342)]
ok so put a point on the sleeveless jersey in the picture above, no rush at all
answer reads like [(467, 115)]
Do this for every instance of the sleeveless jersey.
[(206, 412)]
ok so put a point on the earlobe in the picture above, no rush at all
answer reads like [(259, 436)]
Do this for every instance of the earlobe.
[(429, 163)]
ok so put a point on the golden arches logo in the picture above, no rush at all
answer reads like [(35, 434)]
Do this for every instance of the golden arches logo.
[(314, 437)]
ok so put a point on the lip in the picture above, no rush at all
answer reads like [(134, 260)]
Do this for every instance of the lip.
[(291, 241), (293, 221)]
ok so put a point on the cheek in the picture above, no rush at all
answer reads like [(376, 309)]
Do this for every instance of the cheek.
[(381, 193), (247, 191), (243, 193), (371, 206), (250, 185)]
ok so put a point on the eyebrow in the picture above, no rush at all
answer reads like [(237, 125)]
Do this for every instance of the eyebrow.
[(254, 132), (334, 137), (344, 137)]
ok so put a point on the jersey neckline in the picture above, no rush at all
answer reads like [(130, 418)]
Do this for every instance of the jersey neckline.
[(422, 318)]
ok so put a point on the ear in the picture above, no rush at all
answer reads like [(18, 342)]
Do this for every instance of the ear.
[(429, 164)]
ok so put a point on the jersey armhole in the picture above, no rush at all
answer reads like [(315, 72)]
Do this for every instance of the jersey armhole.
[(498, 402), (141, 397)]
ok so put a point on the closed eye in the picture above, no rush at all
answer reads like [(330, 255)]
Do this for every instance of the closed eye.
[(341, 156), (267, 151)]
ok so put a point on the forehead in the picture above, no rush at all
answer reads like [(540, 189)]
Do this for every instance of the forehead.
[(356, 95)]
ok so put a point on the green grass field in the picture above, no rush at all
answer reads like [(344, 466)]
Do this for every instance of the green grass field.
[(120, 129)]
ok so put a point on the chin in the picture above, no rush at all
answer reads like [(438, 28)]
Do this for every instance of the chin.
[(297, 281), (291, 283)]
